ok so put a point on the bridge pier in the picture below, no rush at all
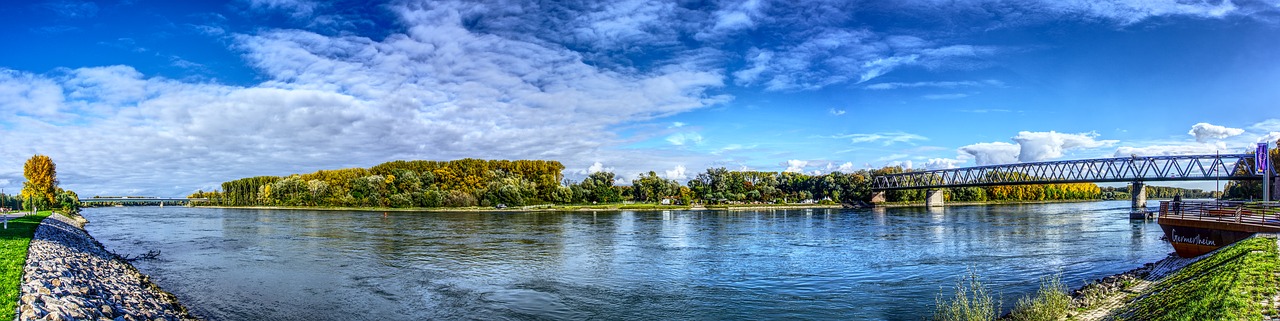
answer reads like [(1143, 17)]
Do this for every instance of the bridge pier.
[(933, 197), (877, 197), (1138, 196)]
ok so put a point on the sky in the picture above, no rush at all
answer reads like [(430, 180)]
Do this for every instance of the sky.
[(163, 98)]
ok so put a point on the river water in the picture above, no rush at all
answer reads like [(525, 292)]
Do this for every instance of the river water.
[(883, 264)]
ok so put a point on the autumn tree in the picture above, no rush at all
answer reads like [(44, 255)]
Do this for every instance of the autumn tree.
[(42, 180)]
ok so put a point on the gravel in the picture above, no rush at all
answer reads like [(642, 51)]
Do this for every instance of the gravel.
[(70, 276)]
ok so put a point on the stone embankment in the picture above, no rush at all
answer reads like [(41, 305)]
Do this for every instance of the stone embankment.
[(70, 276)]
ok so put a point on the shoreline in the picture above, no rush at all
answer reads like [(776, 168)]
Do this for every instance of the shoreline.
[(629, 207), (69, 275)]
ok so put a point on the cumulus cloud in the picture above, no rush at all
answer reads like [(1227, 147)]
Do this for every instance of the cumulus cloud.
[(795, 166), (836, 112), (847, 167), (1041, 146), (596, 168), (906, 164), (943, 163), (677, 173), (1204, 132), (437, 90), (993, 153)]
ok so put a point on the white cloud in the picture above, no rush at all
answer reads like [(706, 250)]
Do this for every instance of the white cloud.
[(1204, 132), (936, 84), (993, 153), (1173, 149), (1269, 138), (836, 112), (1132, 11), (892, 157), (847, 167), (677, 173), (1269, 125), (945, 96), (681, 139), (906, 164), (435, 91), (759, 63), (796, 166), (676, 125), (943, 163), (596, 168), (1041, 146), (884, 138), (295, 8)]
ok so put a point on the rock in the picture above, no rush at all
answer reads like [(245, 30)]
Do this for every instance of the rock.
[(69, 276)]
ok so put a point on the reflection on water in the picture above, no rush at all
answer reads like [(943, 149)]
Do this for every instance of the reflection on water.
[(231, 264)]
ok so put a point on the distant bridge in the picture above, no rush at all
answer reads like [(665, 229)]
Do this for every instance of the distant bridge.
[(142, 200), (1135, 170)]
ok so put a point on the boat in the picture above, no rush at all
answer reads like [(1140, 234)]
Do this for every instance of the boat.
[(1198, 227)]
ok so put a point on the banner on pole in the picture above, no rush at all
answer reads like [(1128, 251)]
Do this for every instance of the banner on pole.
[(1260, 158)]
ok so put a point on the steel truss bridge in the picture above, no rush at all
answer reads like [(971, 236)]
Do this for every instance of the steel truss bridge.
[(1122, 169), (140, 200)]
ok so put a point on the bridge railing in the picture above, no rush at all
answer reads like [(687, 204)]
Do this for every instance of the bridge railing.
[(1120, 169), (1256, 213)]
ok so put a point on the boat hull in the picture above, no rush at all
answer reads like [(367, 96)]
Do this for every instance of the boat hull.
[(1189, 241)]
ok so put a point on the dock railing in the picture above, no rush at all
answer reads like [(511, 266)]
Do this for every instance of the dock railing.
[(1257, 213)]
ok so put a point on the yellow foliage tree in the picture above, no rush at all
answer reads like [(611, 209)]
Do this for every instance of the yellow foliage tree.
[(42, 178)]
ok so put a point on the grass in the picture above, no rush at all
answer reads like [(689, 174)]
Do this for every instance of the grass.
[(1236, 283), (13, 255)]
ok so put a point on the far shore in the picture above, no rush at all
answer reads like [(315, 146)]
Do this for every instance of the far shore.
[(632, 207)]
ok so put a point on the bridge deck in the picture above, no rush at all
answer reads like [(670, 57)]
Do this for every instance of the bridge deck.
[(1123, 169)]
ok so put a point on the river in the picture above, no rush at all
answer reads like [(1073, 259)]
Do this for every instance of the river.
[(883, 264)]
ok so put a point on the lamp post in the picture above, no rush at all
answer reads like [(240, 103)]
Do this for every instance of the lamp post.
[(1264, 167)]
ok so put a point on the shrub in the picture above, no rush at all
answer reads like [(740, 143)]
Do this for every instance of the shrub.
[(971, 301), (1051, 302)]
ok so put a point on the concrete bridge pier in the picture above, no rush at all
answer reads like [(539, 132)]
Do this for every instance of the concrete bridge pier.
[(933, 197), (1138, 196), (877, 197)]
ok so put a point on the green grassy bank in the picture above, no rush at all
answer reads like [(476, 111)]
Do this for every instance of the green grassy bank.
[(13, 255), (1238, 282)]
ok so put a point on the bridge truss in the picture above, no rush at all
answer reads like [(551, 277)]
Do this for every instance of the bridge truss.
[(1123, 169)]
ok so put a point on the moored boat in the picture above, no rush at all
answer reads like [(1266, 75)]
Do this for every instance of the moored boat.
[(1199, 227)]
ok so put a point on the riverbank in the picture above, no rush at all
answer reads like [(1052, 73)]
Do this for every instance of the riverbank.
[(632, 207), (543, 208), (68, 275), (1237, 282)]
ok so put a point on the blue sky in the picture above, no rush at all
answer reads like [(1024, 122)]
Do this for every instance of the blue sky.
[(167, 97)]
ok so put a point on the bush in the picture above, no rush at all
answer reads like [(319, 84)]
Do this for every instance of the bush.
[(1051, 302), (459, 199), (971, 302)]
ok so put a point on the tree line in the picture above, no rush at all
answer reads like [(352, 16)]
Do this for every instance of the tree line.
[(475, 182)]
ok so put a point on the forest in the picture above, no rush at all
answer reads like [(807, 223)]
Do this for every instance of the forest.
[(475, 182)]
